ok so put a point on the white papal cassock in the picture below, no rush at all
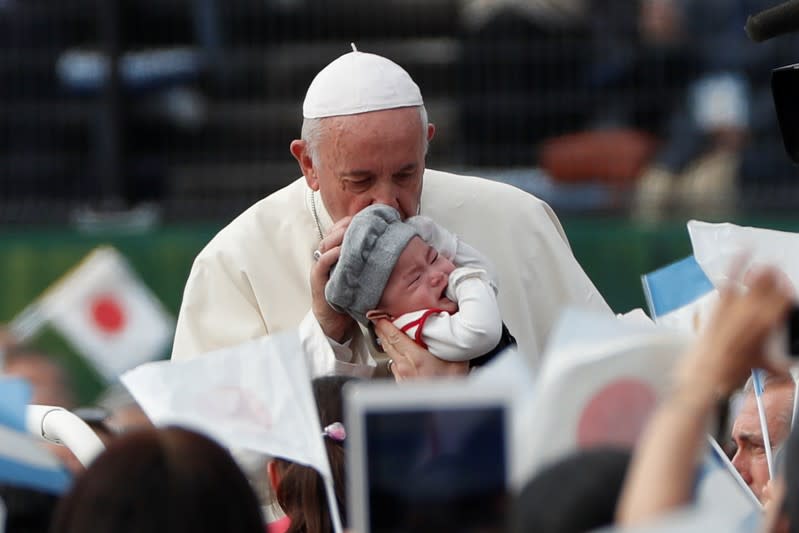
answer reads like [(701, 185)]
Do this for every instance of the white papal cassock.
[(252, 279)]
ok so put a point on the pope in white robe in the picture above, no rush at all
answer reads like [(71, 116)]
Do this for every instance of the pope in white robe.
[(252, 279)]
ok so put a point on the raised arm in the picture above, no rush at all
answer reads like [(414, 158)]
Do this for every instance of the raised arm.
[(662, 473)]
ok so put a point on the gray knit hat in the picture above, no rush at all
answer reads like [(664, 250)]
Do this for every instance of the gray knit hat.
[(372, 245)]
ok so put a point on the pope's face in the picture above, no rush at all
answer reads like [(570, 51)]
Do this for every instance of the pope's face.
[(369, 158), (750, 457)]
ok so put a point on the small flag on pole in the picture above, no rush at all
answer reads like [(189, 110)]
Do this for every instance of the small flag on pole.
[(105, 312), (679, 295), (718, 247)]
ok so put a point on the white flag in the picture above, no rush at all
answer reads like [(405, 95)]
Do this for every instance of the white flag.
[(601, 380), (255, 396), (105, 312), (718, 246)]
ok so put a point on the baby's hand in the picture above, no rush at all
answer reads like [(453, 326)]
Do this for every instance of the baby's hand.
[(461, 274)]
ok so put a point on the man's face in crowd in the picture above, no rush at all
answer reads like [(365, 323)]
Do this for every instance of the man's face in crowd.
[(418, 281), (750, 458), (369, 158)]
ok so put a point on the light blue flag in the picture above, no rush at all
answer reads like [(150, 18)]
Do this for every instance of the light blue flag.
[(15, 394), (23, 462), (674, 286), (680, 296)]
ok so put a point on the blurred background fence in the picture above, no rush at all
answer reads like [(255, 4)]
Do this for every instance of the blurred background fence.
[(189, 105)]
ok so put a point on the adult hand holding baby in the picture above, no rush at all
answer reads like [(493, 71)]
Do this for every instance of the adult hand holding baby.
[(411, 361), (335, 325)]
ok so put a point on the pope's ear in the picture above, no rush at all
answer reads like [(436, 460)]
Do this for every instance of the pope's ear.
[(299, 149)]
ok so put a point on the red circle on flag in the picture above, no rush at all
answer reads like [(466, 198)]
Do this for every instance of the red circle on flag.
[(616, 414), (107, 314)]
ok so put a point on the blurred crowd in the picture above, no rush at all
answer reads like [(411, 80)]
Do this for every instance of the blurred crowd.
[(666, 96), (679, 78)]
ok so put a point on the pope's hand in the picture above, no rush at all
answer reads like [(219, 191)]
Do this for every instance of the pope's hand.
[(410, 360), (335, 325)]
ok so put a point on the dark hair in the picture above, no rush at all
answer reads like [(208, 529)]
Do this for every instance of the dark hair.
[(301, 492), (168, 480), (573, 495)]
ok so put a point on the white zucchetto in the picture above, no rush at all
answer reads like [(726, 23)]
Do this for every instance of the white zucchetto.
[(358, 82)]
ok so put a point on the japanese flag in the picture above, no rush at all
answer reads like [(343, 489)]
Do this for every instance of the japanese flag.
[(601, 380), (105, 312)]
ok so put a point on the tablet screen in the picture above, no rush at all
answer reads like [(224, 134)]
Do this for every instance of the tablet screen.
[(436, 469)]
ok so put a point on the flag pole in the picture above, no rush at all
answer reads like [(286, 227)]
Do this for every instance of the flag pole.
[(335, 517), (761, 411)]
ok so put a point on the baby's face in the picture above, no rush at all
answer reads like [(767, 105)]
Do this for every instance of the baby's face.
[(418, 281)]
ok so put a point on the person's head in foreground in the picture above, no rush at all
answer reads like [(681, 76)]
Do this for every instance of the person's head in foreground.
[(300, 490), (575, 494), (364, 136), (169, 480), (386, 270), (750, 456)]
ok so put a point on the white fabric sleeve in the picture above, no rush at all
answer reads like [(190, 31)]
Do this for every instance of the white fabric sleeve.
[(477, 326), (452, 247), (324, 356)]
